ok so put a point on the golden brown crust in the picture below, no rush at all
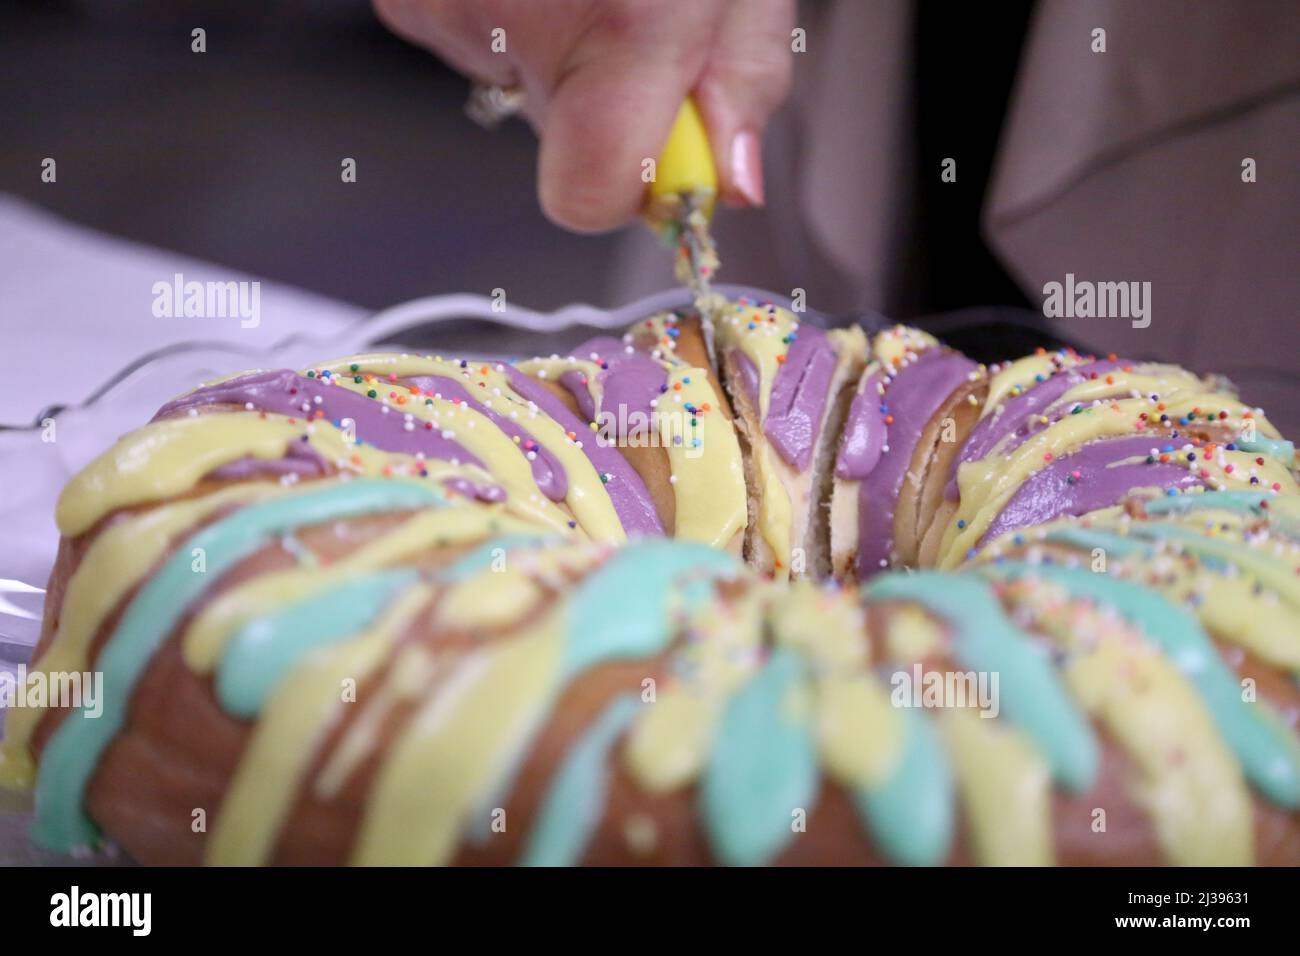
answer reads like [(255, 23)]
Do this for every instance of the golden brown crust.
[(179, 751), (691, 347), (650, 461), (927, 475)]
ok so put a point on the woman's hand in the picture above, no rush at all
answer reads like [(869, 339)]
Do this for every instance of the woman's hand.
[(605, 78)]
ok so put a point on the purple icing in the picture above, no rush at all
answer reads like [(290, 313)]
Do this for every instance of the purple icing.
[(473, 490), (864, 433), (1013, 416), (748, 375), (1053, 491), (798, 399), (627, 492), (576, 384), (629, 382), (547, 471), (299, 459), (916, 393), (285, 392)]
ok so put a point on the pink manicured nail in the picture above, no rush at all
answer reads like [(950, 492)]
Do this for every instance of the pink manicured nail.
[(747, 167)]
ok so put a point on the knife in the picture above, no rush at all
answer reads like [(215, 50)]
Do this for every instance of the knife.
[(20, 621), (680, 200)]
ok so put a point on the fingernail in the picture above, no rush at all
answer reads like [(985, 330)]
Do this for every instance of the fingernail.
[(747, 167)]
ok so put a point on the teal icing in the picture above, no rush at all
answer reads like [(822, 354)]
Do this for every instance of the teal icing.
[(1120, 546), (763, 767), (1214, 554), (575, 799), (621, 610), (1245, 558), (1268, 753), (478, 831), (697, 592), (1276, 448), (1240, 502), (263, 652), (73, 752), (1227, 501), (911, 815), (1088, 539), (984, 639)]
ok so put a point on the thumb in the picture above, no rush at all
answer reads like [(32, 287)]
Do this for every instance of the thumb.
[(746, 78), (602, 121)]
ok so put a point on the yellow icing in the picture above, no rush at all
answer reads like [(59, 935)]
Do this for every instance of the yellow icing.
[(1244, 468), (167, 458), (504, 592), (765, 345), (116, 561), (1167, 381), (207, 634), (1005, 786), (503, 458), (669, 743), (859, 732), (1014, 377), (291, 729), (850, 346), (986, 485), (1259, 623), (1189, 781), (892, 346), (829, 630), (1262, 617), (1259, 606), (408, 678), (708, 479), (912, 635), (458, 748), (487, 600), (774, 509)]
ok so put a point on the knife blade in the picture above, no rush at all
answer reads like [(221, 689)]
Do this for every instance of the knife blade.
[(679, 202), (698, 256)]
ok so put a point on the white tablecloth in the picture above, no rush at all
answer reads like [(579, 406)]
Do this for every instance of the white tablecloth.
[(75, 309)]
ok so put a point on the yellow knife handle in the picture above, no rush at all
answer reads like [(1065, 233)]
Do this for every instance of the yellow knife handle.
[(686, 163)]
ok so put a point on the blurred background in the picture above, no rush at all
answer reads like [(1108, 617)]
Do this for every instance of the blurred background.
[(1123, 167), (233, 156)]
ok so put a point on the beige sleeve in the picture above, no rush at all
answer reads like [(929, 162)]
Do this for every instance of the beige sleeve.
[(1127, 165)]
